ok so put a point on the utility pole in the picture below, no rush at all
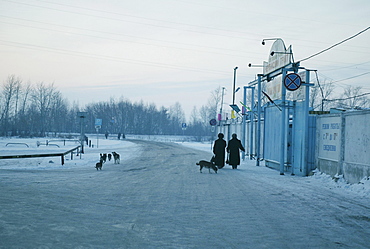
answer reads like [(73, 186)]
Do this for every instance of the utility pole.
[(234, 85)]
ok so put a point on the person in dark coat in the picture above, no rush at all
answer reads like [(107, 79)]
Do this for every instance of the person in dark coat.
[(233, 148), (219, 151)]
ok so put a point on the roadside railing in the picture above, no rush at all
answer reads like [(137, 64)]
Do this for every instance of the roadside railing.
[(61, 154)]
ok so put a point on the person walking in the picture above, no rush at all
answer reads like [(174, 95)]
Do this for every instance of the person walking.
[(219, 151), (233, 148)]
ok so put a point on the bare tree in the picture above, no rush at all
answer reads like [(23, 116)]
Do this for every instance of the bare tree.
[(26, 90), (322, 91), (194, 116), (354, 98), (42, 97), (23, 121), (9, 98), (177, 116), (214, 102)]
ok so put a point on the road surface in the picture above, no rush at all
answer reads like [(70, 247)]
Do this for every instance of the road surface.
[(159, 199)]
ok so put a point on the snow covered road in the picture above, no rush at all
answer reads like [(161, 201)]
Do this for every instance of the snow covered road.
[(156, 198)]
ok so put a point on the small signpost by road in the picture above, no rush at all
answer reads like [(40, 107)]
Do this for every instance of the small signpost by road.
[(98, 124)]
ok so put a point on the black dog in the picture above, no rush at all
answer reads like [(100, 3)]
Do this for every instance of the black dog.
[(209, 165), (99, 165), (104, 157), (116, 157), (109, 156)]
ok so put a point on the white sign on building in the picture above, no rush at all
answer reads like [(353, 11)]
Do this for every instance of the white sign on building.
[(329, 141)]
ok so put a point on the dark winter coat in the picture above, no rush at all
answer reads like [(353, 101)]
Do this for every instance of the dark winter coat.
[(219, 151), (233, 148)]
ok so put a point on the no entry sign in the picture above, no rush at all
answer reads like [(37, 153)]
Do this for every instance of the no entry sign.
[(292, 81)]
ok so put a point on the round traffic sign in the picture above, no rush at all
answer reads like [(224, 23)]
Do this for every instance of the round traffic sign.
[(292, 81), (213, 122)]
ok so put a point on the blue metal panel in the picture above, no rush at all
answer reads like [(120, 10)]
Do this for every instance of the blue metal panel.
[(299, 150), (311, 143), (272, 136), (303, 160)]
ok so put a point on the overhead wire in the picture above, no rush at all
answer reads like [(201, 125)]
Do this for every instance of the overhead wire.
[(345, 67), (126, 21), (352, 77), (141, 17), (341, 42), (110, 58), (351, 97), (215, 50)]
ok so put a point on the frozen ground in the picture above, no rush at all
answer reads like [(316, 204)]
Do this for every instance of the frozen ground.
[(156, 198)]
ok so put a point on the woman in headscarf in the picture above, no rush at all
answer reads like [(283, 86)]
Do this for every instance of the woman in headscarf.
[(233, 148), (219, 151)]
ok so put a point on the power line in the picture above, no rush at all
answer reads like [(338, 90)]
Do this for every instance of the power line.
[(359, 75), (136, 42), (129, 21), (141, 17), (110, 58), (349, 38), (115, 34), (352, 97), (345, 67)]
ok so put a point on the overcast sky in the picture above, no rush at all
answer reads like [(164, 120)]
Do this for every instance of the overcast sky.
[(167, 51)]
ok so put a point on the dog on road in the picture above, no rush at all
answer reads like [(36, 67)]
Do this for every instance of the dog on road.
[(99, 164), (116, 157), (206, 164), (104, 157)]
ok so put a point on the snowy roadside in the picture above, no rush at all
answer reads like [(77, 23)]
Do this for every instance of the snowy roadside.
[(126, 149), (361, 190), (130, 150)]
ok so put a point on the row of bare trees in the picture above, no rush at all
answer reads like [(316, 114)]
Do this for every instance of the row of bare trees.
[(31, 109), (34, 110)]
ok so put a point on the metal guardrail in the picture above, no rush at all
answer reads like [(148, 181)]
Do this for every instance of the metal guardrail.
[(44, 155), (17, 143)]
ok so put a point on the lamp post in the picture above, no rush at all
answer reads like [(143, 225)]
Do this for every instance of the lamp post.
[(234, 85), (82, 116), (222, 103)]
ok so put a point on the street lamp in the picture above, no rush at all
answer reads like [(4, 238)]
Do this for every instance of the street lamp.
[(269, 39), (250, 65), (82, 116), (276, 52), (234, 85), (222, 103)]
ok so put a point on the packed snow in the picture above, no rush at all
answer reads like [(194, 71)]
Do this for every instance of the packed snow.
[(17, 146), (148, 204)]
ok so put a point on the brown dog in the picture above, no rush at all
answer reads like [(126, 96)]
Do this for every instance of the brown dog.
[(116, 157), (209, 165)]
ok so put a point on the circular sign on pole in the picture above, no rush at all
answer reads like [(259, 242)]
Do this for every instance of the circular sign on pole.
[(292, 81), (213, 122)]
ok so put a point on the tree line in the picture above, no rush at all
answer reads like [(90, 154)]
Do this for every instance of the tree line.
[(40, 109)]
